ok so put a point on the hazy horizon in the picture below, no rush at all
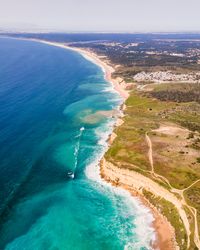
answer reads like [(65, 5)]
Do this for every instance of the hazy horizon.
[(128, 16)]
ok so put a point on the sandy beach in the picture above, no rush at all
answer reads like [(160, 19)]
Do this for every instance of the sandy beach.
[(133, 183), (164, 231), (118, 83)]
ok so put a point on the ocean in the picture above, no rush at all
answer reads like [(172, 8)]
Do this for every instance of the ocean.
[(55, 118)]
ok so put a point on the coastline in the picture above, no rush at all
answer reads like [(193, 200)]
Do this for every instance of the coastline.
[(121, 204), (160, 223), (132, 182), (107, 69), (165, 235)]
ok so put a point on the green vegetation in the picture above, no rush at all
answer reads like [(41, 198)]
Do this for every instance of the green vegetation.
[(175, 153), (171, 213), (192, 196), (178, 92), (174, 107), (130, 145), (186, 112), (149, 55), (144, 114)]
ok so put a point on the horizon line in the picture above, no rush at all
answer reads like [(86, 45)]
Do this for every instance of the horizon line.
[(45, 31)]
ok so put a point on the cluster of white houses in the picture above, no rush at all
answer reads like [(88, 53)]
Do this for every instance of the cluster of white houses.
[(167, 76)]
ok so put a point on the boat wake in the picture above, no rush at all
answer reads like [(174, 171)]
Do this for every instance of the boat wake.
[(71, 174)]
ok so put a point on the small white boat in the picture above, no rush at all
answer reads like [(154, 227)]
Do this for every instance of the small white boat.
[(82, 128), (70, 175)]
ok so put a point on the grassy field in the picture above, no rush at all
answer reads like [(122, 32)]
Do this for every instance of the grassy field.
[(173, 127), (192, 196), (178, 92), (170, 212), (145, 114)]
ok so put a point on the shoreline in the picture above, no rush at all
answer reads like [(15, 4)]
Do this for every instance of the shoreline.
[(160, 223), (107, 69), (164, 232), (164, 240)]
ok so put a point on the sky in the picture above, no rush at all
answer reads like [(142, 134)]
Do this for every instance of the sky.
[(101, 15)]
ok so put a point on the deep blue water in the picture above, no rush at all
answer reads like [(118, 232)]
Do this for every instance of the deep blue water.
[(50, 126)]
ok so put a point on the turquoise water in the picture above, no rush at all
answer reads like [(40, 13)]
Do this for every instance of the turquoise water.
[(50, 127)]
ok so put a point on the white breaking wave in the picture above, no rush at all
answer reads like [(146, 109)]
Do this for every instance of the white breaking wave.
[(143, 221), (141, 216)]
